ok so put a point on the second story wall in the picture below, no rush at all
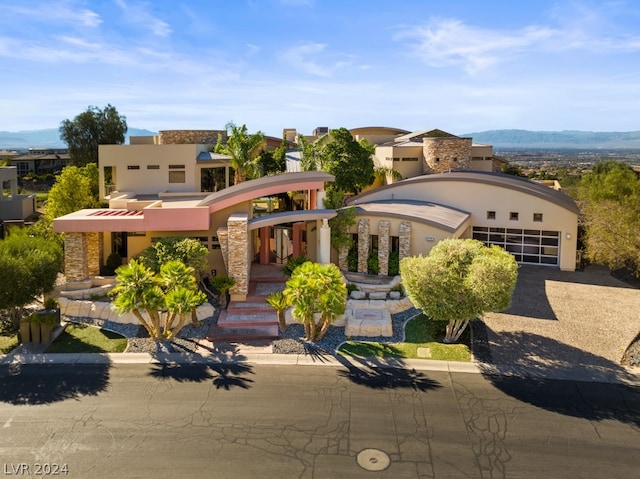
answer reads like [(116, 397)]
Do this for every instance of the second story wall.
[(150, 169)]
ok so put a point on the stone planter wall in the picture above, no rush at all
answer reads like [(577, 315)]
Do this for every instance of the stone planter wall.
[(103, 310)]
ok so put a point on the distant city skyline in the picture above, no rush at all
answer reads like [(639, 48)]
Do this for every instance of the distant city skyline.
[(458, 66)]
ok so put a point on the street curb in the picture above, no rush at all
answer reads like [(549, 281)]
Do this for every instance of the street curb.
[(627, 376)]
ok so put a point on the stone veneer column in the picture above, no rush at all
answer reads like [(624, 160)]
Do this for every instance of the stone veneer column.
[(405, 239), (223, 239), (76, 266), (93, 253), (239, 255), (342, 258), (383, 247), (363, 245)]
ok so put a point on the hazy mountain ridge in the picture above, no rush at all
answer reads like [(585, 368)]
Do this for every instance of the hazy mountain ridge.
[(513, 138), (47, 138), (557, 139)]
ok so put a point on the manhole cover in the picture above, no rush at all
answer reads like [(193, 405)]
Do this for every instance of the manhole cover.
[(373, 460)]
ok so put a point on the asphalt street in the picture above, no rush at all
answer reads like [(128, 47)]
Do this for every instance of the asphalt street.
[(260, 421)]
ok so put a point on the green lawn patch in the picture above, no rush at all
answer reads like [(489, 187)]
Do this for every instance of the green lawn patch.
[(82, 338), (7, 343), (422, 335)]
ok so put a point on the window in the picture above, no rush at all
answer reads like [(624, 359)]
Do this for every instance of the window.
[(176, 167), (153, 167), (513, 216), (177, 177), (133, 167), (491, 215), (437, 160), (537, 217), (411, 159)]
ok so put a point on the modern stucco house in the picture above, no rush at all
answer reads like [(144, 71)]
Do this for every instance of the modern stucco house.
[(173, 185), (14, 206)]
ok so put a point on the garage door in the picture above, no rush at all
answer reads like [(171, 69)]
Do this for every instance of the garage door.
[(528, 246)]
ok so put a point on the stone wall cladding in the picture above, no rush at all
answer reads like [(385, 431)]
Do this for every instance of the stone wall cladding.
[(238, 244), (102, 310), (223, 238), (384, 227), (342, 258), (405, 239), (446, 150), (93, 253), (496, 165), (363, 245), (76, 267), (190, 137)]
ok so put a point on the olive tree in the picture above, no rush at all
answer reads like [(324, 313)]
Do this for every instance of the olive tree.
[(610, 202), (91, 128), (75, 188), (29, 266), (458, 281)]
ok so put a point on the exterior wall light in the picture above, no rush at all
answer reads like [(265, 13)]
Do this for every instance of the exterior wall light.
[(430, 238), (568, 235)]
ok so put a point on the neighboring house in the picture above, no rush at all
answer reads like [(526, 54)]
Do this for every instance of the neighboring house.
[(13, 206), (41, 161), (173, 185)]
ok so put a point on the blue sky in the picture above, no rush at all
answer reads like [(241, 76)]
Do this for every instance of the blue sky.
[(457, 65)]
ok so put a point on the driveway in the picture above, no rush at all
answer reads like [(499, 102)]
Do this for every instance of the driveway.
[(563, 320)]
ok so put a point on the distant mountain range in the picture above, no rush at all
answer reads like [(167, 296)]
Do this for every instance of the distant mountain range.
[(503, 139), (500, 139), (47, 138)]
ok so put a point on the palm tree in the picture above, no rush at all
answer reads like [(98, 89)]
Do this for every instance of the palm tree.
[(138, 290), (315, 287), (180, 303), (387, 175), (243, 150), (182, 295), (279, 302)]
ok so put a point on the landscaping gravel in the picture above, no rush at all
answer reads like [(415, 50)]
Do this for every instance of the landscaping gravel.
[(139, 342), (290, 342)]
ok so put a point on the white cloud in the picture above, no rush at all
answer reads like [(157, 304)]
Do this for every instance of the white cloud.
[(298, 57), (315, 59), (62, 11), (448, 42), (138, 14), (451, 42)]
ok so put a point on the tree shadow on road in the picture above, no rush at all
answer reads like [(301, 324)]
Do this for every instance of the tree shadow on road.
[(384, 373), (561, 378), (225, 367), (47, 383)]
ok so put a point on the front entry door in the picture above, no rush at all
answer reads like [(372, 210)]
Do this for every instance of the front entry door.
[(282, 245)]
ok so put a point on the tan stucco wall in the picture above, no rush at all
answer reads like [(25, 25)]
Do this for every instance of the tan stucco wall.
[(478, 198), (408, 169), (151, 181)]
